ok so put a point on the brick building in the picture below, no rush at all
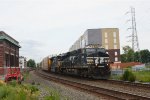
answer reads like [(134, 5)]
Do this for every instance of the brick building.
[(9, 51)]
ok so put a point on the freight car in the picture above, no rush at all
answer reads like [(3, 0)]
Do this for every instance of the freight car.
[(85, 62), (46, 63)]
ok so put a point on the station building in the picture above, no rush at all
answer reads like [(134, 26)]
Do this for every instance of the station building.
[(107, 38), (9, 51)]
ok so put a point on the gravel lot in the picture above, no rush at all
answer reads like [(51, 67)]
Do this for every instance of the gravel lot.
[(66, 93)]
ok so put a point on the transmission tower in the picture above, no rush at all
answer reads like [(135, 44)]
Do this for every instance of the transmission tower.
[(135, 42)]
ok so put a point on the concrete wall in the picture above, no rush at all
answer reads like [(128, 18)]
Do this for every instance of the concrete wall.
[(94, 36)]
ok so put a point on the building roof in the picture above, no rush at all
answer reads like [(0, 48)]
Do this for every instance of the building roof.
[(101, 28), (125, 65), (4, 36)]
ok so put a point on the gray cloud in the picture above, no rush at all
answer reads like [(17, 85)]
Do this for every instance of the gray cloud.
[(32, 49), (45, 27)]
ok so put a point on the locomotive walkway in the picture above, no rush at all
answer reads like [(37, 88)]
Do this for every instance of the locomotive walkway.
[(102, 90)]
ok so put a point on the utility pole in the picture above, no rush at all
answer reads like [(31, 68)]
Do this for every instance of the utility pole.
[(135, 42)]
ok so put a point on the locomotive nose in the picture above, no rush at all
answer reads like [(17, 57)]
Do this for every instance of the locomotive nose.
[(89, 60), (97, 61)]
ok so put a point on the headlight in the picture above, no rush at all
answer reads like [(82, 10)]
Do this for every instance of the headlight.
[(89, 61)]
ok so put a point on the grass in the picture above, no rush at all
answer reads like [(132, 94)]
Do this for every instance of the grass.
[(116, 77), (147, 66), (141, 76)]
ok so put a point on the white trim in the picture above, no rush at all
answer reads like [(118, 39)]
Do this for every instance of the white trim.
[(117, 62), (116, 53), (106, 41), (106, 46), (115, 40), (106, 34), (116, 59), (114, 34), (11, 54), (6, 52)]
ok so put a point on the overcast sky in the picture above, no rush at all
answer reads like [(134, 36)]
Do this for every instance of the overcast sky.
[(45, 27)]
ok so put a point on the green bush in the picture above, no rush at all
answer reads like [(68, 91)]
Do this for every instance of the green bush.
[(128, 76), (3, 92), (125, 75), (13, 91), (131, 77)]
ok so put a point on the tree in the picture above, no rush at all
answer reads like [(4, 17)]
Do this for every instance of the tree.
[(145, 56), (31, 63), (126, 49), (128, 55), (137, 56), (123, 58)]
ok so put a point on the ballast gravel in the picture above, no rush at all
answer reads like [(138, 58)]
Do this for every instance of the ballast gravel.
[(47, 88)]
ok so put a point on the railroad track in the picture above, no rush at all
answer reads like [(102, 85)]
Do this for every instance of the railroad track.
[(108, 93), (131, 84)]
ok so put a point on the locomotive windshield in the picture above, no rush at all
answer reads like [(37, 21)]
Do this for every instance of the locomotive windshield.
[(101, 50), (90, 50), (95, 50)]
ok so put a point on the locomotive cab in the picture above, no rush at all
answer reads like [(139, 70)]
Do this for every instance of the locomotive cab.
[(98, 63)]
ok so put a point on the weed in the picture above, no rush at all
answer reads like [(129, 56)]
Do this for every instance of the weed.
[(33, 89), (33, 83), (38, 83), (13, 91), (49, 98)]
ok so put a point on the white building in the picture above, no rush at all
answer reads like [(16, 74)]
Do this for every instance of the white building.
[(22, 62)]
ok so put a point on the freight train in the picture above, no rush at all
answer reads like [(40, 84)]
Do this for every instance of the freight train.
[(84, 62)]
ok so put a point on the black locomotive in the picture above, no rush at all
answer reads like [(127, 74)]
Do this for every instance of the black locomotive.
[(85, 62)]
